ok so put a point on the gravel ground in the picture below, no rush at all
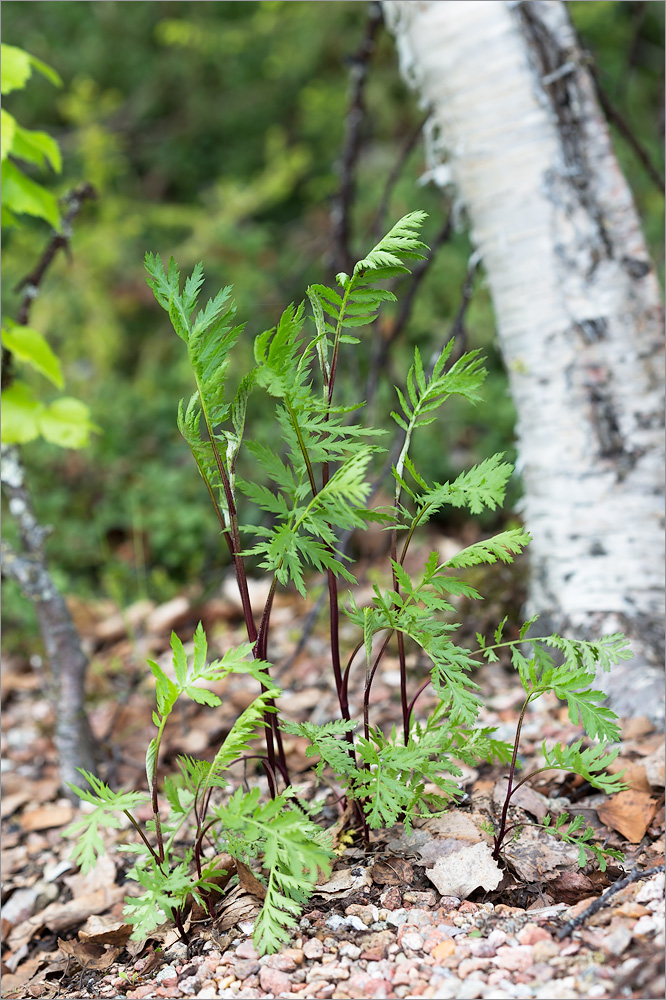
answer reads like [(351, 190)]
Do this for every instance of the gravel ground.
[(460, 950)]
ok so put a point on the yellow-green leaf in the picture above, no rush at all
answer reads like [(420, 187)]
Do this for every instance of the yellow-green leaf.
[(7, 131), (20, 414), (23, 196), (17, 66), (15, 69), (36, 147), (32, 347), (66, 422)]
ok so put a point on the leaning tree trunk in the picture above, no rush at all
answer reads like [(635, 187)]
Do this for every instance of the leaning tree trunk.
[(516, 127)]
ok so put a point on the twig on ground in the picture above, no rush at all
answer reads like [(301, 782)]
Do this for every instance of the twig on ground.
[(599, 903)]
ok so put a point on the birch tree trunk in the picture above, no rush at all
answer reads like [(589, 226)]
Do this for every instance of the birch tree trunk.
[(516, 127)]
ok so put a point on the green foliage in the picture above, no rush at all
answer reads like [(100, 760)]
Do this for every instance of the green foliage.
[(21, 195), (65, 421), (171, 875), (243, 184), (318, 489), (294, 854), (571, 831)]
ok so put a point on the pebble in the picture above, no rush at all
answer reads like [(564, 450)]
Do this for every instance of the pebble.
[(274, 981), (313, 948), (517, 958), (247, 950)]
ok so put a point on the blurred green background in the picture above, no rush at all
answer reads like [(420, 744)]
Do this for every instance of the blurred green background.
[(213, 131)]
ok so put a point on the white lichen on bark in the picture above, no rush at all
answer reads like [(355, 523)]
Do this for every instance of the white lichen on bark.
[(577, 304)]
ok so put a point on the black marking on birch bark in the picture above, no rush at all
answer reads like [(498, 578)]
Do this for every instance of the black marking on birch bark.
[(592, 330), (559, 69)]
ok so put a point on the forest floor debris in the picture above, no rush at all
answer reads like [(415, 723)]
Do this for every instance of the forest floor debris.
[(379, 927)]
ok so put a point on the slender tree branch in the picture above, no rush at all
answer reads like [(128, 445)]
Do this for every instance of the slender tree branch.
[(625, 129), (341, 209), (391, 180), (73, 737)]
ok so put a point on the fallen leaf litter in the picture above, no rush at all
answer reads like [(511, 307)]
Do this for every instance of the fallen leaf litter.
[(387, 926)]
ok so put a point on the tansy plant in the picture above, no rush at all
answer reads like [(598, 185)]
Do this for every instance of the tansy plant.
[(311, 492)]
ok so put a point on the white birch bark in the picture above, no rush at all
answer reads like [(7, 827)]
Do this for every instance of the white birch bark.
[(516, 127)]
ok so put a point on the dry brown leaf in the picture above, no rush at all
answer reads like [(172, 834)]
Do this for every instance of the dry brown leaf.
[(89, 955), (392, 871), (634, 773), (460, 874), (571, 886), (637, 726), (250, 882), (59, 916), (525, 798), (237, 906), (654, 767), (46, 817), (630, 813), (102, 875), (14, 982), (536, 855), (344, 881), (10, 803), (105, 930)]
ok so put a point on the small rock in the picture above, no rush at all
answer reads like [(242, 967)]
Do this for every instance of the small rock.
[(653, 889), (617, 941), (542, 951), (273, 981), (471, 989), (411, 939), (336, 922), (397, 917), (313, 948), (282, 961), (449, 989), (247, 950), (443, 950), (368, 914), (245, 968), (530, 934), (471, 965), (167, 972), (331, 971), (646, 925), (435, 937), (349, 950), (391, 898), (482, 948), (497, 937), (632, 910), (427, 898), (517, 958)]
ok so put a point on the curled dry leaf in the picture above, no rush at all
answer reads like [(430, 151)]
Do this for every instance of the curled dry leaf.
[(90, 955), (630, 813), (571, 886), (344, 881), (237, 905), (250, 882), (392, 871), (537, 855), (526, 798), (460, 874)]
